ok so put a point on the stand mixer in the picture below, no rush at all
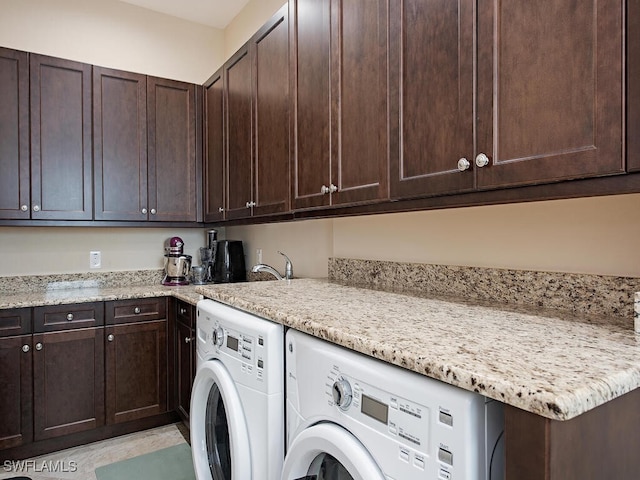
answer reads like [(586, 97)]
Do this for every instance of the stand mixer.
[(176, 264)]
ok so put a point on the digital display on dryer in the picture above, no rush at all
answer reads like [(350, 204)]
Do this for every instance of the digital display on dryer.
[(375, 409), (232, 343)]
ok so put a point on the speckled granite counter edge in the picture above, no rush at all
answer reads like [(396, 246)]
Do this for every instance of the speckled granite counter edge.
[(588, 294)]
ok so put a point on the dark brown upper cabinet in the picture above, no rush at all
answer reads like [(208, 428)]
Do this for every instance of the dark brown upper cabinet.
[(145, 154), (256, 113), (173, 163), (548, 94), (339, 63), (120, 145), (214, 141), (61, 172), (633, 85), (430, 96), (270, 57), (15, 198), (51, 180), (237, 81)]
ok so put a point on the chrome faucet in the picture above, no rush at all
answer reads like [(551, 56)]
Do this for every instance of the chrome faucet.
[(288, 269)]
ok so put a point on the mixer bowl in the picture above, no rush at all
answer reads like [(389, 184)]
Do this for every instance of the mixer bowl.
[(176, 269)]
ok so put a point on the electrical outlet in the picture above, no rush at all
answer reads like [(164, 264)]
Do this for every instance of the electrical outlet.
[(95, 260), (258, 255)]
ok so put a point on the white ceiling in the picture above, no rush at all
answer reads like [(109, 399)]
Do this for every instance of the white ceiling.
[(214, 13)]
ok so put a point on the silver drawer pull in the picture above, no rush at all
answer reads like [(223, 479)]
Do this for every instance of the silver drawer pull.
[(39, 346), (69, 316), (183, 311), (110, 337), (188, 339), (136, 310), (25, 348)]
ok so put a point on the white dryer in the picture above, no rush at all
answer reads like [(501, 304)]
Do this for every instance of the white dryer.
[(237, 401), (351, 417)]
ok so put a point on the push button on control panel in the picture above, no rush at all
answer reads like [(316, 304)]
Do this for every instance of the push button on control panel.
[(445, 456), (446, 418)]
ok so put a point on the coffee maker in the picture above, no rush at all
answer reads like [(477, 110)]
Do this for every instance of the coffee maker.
[(176, 264), (224, 260)]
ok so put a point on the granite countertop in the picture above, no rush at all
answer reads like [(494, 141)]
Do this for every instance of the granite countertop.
[(557, 365), (61, 296)]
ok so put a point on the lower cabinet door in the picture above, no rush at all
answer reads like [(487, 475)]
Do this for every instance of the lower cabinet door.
[(68, 382), (136, 370), (16, 399), (185, 368)]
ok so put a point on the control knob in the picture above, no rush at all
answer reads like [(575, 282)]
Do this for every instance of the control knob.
[(218, 336), (341, 392)]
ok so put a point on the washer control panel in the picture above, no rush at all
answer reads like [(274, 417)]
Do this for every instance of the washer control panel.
[(401, 419)]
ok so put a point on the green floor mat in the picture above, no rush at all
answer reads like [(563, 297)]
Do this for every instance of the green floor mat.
[(173, 463)]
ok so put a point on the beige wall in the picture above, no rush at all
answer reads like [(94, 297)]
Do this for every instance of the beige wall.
[(113, 34), (598, 235)]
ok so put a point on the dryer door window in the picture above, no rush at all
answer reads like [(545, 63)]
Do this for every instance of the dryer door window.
[(326, 467), (217, 436), (327, 451), (219, 432)]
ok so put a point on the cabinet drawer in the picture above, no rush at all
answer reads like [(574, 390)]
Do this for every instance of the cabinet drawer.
[(185, 313), (15, 321), (67, 317), (137, 310)]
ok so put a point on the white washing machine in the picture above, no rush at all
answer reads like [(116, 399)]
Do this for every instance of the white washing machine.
[(237, 402), (350, 416)]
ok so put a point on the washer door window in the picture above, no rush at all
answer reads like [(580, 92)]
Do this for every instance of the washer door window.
[(219, 434), (328, 452)]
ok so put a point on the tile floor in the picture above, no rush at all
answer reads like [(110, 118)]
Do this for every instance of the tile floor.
[(87, 458)]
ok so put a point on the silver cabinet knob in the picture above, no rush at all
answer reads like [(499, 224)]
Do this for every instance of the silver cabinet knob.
[(183, 311), (110, 337), (144, 211), (153, 211), (24, 208), (69, 317), (36, 208), (333, 188), (248, 205), (482, 160), (220, 209), (341, 393), (463, 164), (188, 339), (137, 310), (25, 348), (324, 190), (38, 346), (251, 204)]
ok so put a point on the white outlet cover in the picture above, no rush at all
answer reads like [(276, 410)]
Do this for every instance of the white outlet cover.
[(95, 259)]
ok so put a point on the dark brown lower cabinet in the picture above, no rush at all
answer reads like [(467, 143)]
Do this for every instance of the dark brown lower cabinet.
[(16, 407), (136, 370), (68, 382), (185, 354), (75, 380)]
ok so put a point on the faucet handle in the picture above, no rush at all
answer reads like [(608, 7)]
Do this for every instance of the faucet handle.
[(288, 269)]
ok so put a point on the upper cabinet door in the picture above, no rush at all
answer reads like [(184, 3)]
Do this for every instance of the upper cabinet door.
[(549, 90), (430, 96), (214, 164), (61, 171), (15, 201), (270, 54), (120, 145), (359, 153), (633, 85), (237, 77), (311, 106), (171, 109)]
